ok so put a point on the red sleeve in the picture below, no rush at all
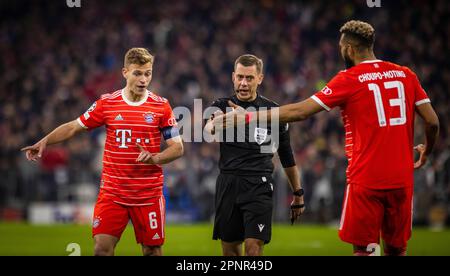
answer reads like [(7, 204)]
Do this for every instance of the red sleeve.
[(93, 117), (420, 96), (168, 119), (335, 93)]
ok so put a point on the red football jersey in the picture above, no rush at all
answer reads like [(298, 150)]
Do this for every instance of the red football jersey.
[(378, 101), (128, 123)]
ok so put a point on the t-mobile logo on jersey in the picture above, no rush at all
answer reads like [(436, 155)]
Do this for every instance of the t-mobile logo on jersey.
[(374, 3), (123, 136)]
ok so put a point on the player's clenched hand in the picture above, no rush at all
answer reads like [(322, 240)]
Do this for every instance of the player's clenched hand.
[(230, 119), (422, 157), (35, 151), (146, 157)]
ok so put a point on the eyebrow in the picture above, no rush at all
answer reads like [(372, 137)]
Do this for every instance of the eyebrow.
[(140, 71)]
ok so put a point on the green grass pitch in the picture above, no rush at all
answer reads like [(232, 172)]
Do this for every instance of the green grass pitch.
[(195, 240)]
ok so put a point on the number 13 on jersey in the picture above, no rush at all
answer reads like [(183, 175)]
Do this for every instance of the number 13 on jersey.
[(397, 102)]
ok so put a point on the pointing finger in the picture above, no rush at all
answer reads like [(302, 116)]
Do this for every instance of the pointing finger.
[(233, 105), (230, 103), (26, 148), (140, 147)]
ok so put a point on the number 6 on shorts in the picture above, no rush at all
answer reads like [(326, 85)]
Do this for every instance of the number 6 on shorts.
[(153, 220)]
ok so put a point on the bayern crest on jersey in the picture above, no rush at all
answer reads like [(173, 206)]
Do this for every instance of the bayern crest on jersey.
[(96, 222), (149, 118)]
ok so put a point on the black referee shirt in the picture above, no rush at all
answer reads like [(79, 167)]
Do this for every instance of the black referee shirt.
[(246, 158)]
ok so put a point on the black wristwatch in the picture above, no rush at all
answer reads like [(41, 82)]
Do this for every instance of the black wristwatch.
[(299, 192)]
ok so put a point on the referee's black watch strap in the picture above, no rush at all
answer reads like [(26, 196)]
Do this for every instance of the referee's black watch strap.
[(299, 192)]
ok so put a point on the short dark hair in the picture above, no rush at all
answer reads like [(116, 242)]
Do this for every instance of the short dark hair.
[(250, 60), (362, 34)]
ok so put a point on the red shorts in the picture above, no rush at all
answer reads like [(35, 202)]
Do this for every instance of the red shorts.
[(368, 213), (148, 221)]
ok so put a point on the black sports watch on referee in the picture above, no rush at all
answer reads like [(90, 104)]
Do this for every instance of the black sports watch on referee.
[(299, 192)]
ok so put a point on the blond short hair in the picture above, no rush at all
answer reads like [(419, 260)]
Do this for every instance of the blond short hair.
[(359, 32), (139, 56)]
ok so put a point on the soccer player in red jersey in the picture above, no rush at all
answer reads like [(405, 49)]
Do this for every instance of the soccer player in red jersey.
[(132, 177), (378, 101)]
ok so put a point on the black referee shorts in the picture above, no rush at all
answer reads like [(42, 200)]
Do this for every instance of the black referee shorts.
[(243, 208)]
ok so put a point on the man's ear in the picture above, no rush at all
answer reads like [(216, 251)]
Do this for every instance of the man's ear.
[(260, 78), (124, 72), (351, 51), (232, 77)]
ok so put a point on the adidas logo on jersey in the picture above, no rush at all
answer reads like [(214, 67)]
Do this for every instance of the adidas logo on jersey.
[(156, 237), (118, 118)]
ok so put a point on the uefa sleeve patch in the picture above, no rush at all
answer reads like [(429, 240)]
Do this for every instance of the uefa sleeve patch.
[(327, 91), (93, 106)]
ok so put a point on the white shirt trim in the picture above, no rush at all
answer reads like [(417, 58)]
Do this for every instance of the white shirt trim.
[(81, 123), (135, 103), (344, 210), (372, 61), (321, 103), (424, 101)]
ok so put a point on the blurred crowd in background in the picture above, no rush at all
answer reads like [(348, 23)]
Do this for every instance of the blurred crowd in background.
[(55, 61)]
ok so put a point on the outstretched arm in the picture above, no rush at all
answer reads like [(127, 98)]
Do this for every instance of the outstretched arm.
[(298, 111), (287, 113), (431, 122), (60, 134)]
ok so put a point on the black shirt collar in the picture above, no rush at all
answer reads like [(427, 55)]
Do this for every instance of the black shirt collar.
[(255, 102)]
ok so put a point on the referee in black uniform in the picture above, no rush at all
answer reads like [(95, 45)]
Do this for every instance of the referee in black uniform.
[(244, 187)]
